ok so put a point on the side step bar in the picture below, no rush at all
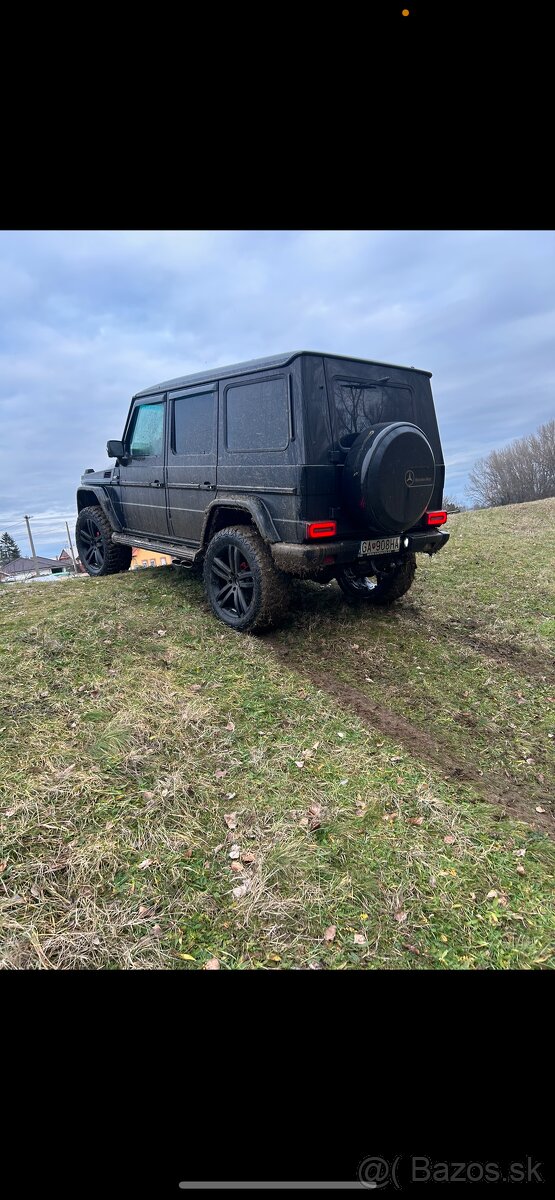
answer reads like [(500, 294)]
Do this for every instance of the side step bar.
[(174, 549)]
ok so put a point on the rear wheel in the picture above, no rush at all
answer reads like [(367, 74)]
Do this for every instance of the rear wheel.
[(382, 586), (98, 553), (244, 588)]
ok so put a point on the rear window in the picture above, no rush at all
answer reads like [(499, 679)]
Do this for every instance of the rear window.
[(358, 406), (257, 415)]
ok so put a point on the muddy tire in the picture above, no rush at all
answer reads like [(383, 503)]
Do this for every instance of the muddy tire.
[(98, 553), (244, 588), (381, 588)]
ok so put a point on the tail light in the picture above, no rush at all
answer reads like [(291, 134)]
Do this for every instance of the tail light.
[(321, 529), (435, 518)]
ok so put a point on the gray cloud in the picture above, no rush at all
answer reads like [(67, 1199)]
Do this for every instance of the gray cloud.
[(87, 318)]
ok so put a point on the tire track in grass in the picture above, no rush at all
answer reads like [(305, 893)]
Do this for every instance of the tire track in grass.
[(507, 653), (417, 741)]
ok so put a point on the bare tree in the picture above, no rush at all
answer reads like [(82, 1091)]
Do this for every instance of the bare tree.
[(359, 407), (451, 504), (524, 470)]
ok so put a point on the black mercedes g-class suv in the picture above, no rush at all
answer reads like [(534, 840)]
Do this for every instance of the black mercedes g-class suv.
[(304, 464)]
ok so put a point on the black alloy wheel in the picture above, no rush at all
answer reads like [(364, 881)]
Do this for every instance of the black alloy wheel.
[(91, 546), (244, 588), (232, 581), (98, 553)]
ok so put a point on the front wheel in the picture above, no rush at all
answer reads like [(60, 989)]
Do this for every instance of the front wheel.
[(383, 586), (98, 553), (245, 589)]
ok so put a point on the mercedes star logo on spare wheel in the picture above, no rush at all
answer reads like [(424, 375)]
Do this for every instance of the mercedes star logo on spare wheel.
[(409, 478)]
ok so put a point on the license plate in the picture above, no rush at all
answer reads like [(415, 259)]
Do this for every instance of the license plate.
[(379, 546)]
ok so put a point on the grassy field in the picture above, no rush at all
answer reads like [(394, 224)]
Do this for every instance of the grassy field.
[(358, 789)]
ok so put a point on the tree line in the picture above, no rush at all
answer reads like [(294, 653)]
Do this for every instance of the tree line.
[(524, 470)]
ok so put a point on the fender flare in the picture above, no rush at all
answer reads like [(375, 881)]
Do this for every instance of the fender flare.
[(93, 494), (251, 504)]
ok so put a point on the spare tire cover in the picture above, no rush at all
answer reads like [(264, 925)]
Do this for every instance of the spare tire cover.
[(388, 476)]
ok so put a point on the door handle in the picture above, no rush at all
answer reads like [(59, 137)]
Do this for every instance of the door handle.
[(156, 483), (209, 486)]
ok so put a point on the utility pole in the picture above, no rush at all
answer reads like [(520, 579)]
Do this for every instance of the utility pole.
[(32, 544), (71, 548)]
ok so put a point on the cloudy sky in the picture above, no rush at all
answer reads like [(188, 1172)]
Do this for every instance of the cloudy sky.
[(89, 318)]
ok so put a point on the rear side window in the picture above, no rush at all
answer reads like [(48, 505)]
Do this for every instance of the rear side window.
[(193, 424), (257, 416), (148, 431), (359, 406)]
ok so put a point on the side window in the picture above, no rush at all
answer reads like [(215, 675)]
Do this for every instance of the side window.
[(193, 424), (257, 415), (147, 437)]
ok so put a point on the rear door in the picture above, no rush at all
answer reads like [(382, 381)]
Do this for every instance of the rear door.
[(257, 444), (142, 480), (192, 458)]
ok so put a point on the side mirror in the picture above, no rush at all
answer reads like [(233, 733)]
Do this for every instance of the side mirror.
[(115, 450)]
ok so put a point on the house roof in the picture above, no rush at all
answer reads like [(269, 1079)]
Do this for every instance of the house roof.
[(18, 566), (257, 364)]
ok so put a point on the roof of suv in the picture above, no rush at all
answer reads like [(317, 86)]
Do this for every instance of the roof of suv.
[(258, 364)]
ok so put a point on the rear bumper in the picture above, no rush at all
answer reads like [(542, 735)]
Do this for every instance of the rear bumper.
[(300, 558)]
